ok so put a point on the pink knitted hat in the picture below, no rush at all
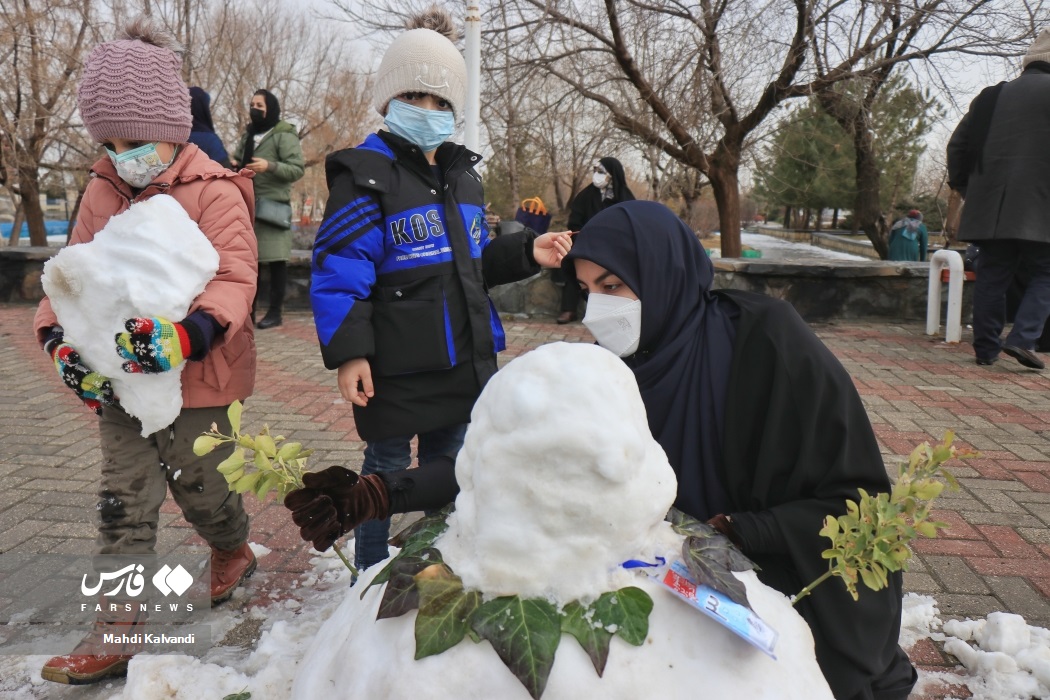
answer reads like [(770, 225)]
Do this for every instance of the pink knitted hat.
[(132, 88)]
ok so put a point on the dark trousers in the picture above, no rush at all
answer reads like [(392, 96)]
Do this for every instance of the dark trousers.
[(999, 264), (393, 454), (570, 293), (278, 282)]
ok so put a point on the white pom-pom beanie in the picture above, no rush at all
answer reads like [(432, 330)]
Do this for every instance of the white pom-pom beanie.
[(1040, 49), (422, 60)]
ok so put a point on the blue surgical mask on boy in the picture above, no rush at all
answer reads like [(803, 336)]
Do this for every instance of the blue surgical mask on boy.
[(427, 128), (139, 166)]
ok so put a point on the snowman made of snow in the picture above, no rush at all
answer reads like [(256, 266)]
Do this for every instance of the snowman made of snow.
[(527, 591)]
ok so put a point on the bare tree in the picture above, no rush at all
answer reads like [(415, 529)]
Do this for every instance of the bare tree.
[(41, 45), (234, 49), (930, 31), (713, 71), (524, 109)]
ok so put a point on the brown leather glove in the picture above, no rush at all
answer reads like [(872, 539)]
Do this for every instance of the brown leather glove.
[(333, 502)]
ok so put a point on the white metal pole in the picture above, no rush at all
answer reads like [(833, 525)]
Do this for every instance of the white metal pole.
[(472, 127), (956, 273)]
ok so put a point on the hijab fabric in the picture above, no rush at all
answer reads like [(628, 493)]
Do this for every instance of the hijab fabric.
[(200, 109), (617, 180), (686, 348), (273, 115)]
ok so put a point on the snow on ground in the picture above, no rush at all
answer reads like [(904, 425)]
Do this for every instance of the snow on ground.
[(266, 671), (1003, 657), (776, 248), (288, 628)]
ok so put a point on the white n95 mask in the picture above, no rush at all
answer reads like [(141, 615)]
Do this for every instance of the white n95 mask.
[(615, 322)]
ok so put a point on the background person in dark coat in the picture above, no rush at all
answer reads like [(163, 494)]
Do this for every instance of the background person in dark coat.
[(608, 187), (999, 160), (203, 131)]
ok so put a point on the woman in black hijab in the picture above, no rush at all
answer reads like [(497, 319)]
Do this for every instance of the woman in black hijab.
[(760, 422), (202, 132), (608, 187), (270, 148)]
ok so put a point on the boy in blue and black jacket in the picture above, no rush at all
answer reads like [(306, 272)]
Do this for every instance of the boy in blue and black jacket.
[(402, 263)]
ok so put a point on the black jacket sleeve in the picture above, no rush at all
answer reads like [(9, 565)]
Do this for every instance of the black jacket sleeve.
[(429, 486), (508, 258), (958, 162)]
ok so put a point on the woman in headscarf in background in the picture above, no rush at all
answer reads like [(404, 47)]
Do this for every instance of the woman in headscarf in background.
[(270, 148), (608, 187), (202, 131)]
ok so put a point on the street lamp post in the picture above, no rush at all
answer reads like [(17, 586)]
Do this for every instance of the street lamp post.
[(472, 127)]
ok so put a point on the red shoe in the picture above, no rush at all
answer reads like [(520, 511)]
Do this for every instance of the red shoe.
[(91, 660), (228, 570)]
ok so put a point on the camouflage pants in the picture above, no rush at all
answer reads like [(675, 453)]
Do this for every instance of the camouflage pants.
[(137, 472)]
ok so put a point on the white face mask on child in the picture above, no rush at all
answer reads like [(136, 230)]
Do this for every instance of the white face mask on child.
[(615, 322), (139, 166)]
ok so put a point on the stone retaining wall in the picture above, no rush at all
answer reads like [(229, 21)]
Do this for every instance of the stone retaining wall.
[(840, 289)]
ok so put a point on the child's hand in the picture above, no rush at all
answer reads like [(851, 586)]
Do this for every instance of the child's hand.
[(258, 165), (91, 387), (153, 345), (549, 249), (353, 373)]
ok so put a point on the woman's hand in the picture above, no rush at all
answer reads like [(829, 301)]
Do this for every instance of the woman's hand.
[(258, 165), (352, 374), (549, 249)]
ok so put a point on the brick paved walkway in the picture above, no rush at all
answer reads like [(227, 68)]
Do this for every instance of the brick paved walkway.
[(996, 556)]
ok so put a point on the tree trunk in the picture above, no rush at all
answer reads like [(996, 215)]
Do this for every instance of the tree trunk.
[(16, 226), (819, 220), (787, 217), (512, 164), (725, 182), (835, 218), (867, 210), (806, 214), (29, 190), (74, 214)]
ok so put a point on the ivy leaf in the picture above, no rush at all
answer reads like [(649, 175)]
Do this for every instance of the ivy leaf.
[(709, 560), (525, 635), (684, 524), (689, 526), (426, 529), (401, 593), (626, 613), (243, 695), (445, 610), (593, 638)]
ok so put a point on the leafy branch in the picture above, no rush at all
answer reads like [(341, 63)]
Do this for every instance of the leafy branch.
[(873, 538), (270, 467)]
